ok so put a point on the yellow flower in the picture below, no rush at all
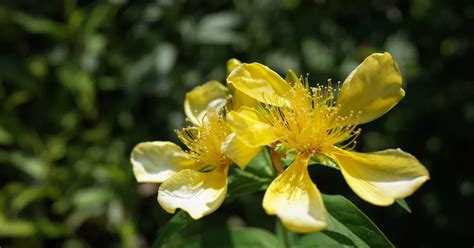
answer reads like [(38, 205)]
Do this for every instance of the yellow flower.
[(212, 95), (313, 123), (195, 180)]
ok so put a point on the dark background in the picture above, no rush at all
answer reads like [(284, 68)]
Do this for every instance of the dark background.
[(81, 82)]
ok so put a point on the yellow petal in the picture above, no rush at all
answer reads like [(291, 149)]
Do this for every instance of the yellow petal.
[(381, 177), (195, 192), (232, 64), (239, 99), (156, 161), (371, 90), (209, 95), (294, 198), (238, 151), (260, 82), (250, 128)]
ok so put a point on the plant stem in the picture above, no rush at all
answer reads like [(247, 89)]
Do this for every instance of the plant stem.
[(284, 234), (276, 160)]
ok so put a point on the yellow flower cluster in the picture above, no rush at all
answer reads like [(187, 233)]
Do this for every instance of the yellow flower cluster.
[(259, 108)]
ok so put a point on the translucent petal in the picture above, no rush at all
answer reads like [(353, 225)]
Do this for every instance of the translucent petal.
[(371, 90), (209, 95), (158, 160), (238, 151), (381, 177), (294, 198), (195, 192), (260, 82), (250, 128)]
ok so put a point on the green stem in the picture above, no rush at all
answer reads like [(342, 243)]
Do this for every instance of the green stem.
[(276, 160), (284, 233)]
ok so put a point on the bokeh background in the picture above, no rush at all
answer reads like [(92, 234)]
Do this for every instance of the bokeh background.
[(81, 82)]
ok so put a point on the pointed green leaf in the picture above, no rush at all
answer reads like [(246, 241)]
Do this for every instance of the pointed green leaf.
[(176, 224), (404, 205), (349, 226)]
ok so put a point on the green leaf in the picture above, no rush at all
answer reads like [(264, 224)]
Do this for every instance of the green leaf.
[(38, 25), (92, 197), (287, 237), (236, 238), (176, 224), (323, 160), (262, 165), (318, 239), (315, 159), (218, 28), (51, 229), (402, 203), (244, 182), (16, 228), (349, 226), (29, 195), (256, 176), (32, 166)]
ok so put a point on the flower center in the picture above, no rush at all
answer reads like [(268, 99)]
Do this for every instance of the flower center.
[(309, 120), (204, 141)]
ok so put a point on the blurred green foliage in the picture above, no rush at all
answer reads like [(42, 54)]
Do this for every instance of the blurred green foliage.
[(81, 82)]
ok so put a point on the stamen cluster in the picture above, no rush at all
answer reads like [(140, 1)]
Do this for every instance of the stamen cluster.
[(309, 120), (204, 141)]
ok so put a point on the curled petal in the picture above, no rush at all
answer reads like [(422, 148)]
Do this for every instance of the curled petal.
[(209, 95), (371, 90), (381, 177), (238, 151), (195, 192), (156, 161), (239, 99), (260, 83), (294, 198), (250, 128)]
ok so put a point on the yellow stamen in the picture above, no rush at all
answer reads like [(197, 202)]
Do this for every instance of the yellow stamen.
[(309, 120), (204, 141)]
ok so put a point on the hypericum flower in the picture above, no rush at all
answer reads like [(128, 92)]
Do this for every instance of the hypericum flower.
[(196, 180), (193, 180), (214, 95), (312, 122)]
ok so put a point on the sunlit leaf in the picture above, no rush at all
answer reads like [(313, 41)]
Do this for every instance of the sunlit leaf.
[(38, 25), (29, 195), (16, 228), (176, 224), (323, 160), (32, 166), (349, 226)]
